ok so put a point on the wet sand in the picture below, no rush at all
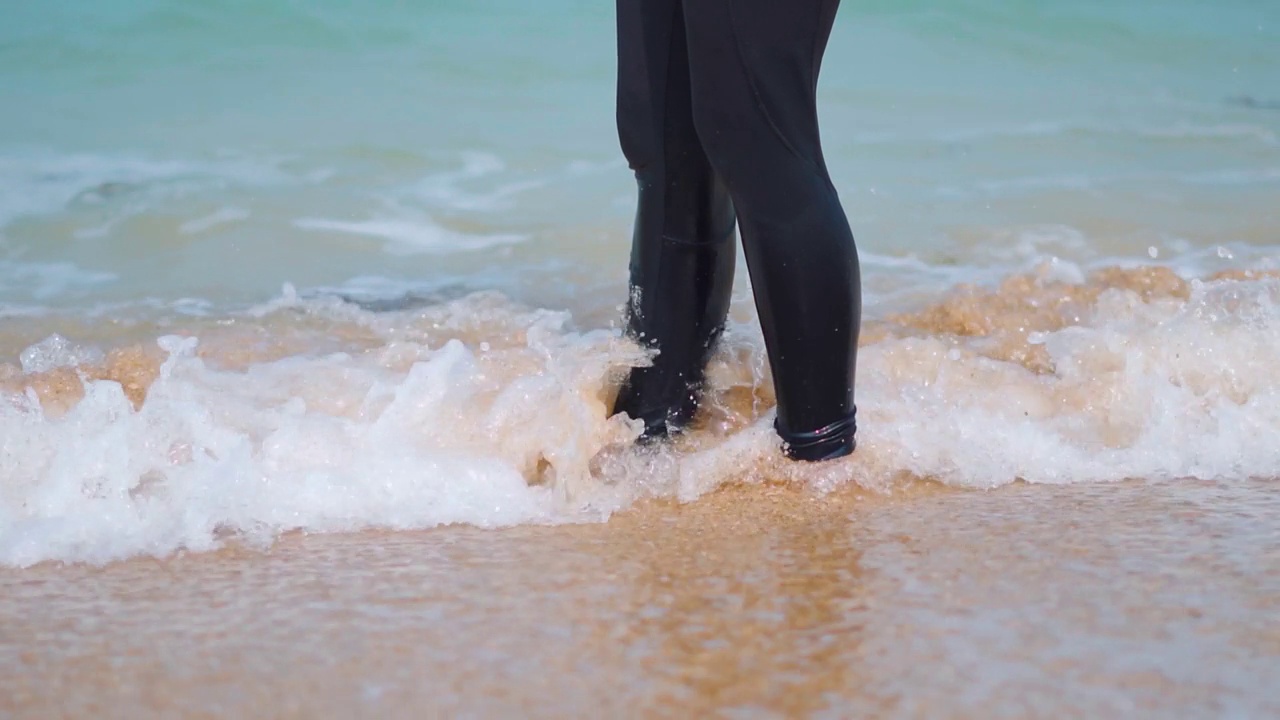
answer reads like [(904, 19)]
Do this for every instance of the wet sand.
[(1133, 599)]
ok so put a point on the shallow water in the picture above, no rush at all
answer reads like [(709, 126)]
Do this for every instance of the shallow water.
[(1030, 601)]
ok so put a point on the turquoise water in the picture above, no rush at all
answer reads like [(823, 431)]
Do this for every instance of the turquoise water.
[(381, 250), (218, 150)]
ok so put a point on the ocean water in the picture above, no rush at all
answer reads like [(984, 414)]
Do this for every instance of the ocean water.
[(268, 266)]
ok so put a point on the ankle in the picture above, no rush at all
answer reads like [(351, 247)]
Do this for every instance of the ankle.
[(832, 441)]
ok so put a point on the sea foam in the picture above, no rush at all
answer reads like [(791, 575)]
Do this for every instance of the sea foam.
[(479, 410)]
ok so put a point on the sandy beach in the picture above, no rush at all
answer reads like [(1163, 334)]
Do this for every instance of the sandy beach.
[(1130, 599)]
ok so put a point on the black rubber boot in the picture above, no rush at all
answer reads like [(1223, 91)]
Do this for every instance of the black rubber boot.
[(833, 441), (680, 294)]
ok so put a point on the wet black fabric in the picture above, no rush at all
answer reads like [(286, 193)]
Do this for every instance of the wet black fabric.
[(717, 116)]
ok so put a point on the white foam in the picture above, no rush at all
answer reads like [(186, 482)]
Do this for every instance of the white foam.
[(39, 183), (412, 236), (49, 280), (222, 216), (448, 189), (405, 437), (486, 184), (56, 351), (1155, 391), (1046, 129), (497, 417)]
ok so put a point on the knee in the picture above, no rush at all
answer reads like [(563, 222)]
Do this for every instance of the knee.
[(636, 133), (739, 143), (718, 134)]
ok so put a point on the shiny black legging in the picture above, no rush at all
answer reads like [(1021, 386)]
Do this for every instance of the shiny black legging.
[(717, 116)]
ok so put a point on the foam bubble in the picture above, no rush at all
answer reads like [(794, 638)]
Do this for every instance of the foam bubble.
[(56, 351)]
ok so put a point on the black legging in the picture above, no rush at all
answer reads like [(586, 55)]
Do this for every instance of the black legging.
[(717, 116)]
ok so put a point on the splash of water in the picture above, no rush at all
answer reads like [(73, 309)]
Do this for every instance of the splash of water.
[(322, 415)]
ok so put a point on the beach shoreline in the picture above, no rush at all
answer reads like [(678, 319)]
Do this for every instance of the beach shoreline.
[(757, 600)]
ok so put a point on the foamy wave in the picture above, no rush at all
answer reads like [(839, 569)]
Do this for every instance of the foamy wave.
[(480, 411), (43, 183), (447, 189), (222, 216), (1156, 390), (47, 280), (400, 436), (1231, 132), (56, 351), (407, 237)]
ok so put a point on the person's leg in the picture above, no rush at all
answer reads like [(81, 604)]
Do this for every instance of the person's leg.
[(754, 67), (683, 250)]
